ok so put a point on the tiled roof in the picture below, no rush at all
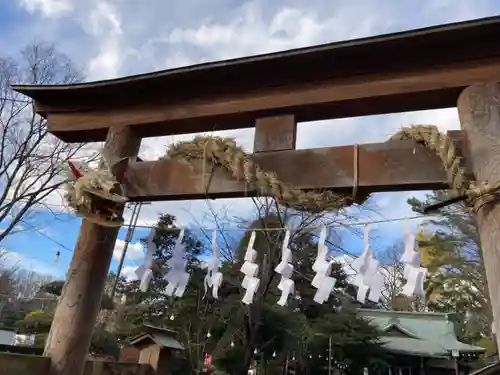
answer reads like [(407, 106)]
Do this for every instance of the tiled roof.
[(165, 341), (427, 334)]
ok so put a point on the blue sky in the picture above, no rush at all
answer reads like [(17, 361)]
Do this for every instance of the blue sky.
[(111, 38)]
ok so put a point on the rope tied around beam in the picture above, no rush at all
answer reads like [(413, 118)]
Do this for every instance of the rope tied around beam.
[(226, 153), (476, 194)]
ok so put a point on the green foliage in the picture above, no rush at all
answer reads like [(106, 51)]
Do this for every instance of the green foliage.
[(457, 277), (12, 313), (40, 339), (236, 330), (35, 322), (153, 300), (104, 343), (107, 302), (39, 322), (54, 287)]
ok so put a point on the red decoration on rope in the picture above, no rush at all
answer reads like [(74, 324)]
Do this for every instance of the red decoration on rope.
[(75, 170)]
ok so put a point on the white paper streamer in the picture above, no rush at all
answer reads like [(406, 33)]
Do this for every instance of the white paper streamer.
[(322, 281), (362, 289), (410, 256), (376, 283), (213, 278), (177, 277), (360, 264), (144, 272), (368, 279), (414, 274), (285, 269), (415, 281), (250, 269)]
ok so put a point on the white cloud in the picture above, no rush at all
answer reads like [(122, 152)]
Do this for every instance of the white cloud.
[(249, 33), (129, 273), (105, 25), (15, 260), (48, 8), (134, 251)]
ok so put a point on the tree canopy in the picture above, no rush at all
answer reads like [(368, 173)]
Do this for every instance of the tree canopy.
[(451, 251), (236, 334), (31, 159)]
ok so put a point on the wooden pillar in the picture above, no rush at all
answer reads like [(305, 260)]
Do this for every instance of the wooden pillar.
[(74, 319), (276, 133), (479, 112)]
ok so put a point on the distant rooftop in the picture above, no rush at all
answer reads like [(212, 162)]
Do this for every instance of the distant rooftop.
[(421, 333), (163, 337)]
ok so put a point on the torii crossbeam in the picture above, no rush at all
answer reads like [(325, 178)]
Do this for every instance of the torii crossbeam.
[(439, 67)]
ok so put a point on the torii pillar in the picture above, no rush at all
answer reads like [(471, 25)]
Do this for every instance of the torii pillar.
[(74, 319), (479, 112)]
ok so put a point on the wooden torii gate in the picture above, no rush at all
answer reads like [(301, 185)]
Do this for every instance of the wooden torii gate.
[(446, 66)]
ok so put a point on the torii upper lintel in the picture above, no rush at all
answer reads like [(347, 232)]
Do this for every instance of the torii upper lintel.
[(407, 71)]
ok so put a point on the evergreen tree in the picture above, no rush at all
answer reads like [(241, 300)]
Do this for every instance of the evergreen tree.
[(457, 277), (236, 334)]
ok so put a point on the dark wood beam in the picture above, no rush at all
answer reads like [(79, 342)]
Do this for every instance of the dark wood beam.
[(276, 133), (406, 71), (434, 87), (390, 166)]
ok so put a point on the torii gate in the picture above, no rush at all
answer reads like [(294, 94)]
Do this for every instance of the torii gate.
[(446, 66)]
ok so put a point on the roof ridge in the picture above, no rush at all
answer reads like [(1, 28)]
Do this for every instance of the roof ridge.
[(402, 329), (405, 313)]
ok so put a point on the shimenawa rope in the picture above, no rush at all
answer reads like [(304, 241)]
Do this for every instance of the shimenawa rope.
[(477, 193), (225, 152)]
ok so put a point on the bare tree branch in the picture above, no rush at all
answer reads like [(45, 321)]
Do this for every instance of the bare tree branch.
[(31, 159)]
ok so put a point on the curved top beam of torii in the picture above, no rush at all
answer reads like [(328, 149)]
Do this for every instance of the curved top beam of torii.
[(406, 71)]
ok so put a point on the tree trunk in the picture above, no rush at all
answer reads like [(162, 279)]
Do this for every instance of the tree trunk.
[(69, 338)]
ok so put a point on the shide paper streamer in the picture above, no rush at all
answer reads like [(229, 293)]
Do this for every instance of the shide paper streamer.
[(368, 278), (322, 281), (360, 265), (250, 269), (144, 272), (414, 274), (213, 278), (177, 277), (285, 269)]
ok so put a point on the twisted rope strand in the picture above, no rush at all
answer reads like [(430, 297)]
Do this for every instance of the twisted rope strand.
[(477, 193), (226, 153), (235, 161)]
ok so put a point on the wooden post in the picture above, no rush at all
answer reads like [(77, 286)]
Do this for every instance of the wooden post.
[(74, 319), (276, 133), (479, 112)]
